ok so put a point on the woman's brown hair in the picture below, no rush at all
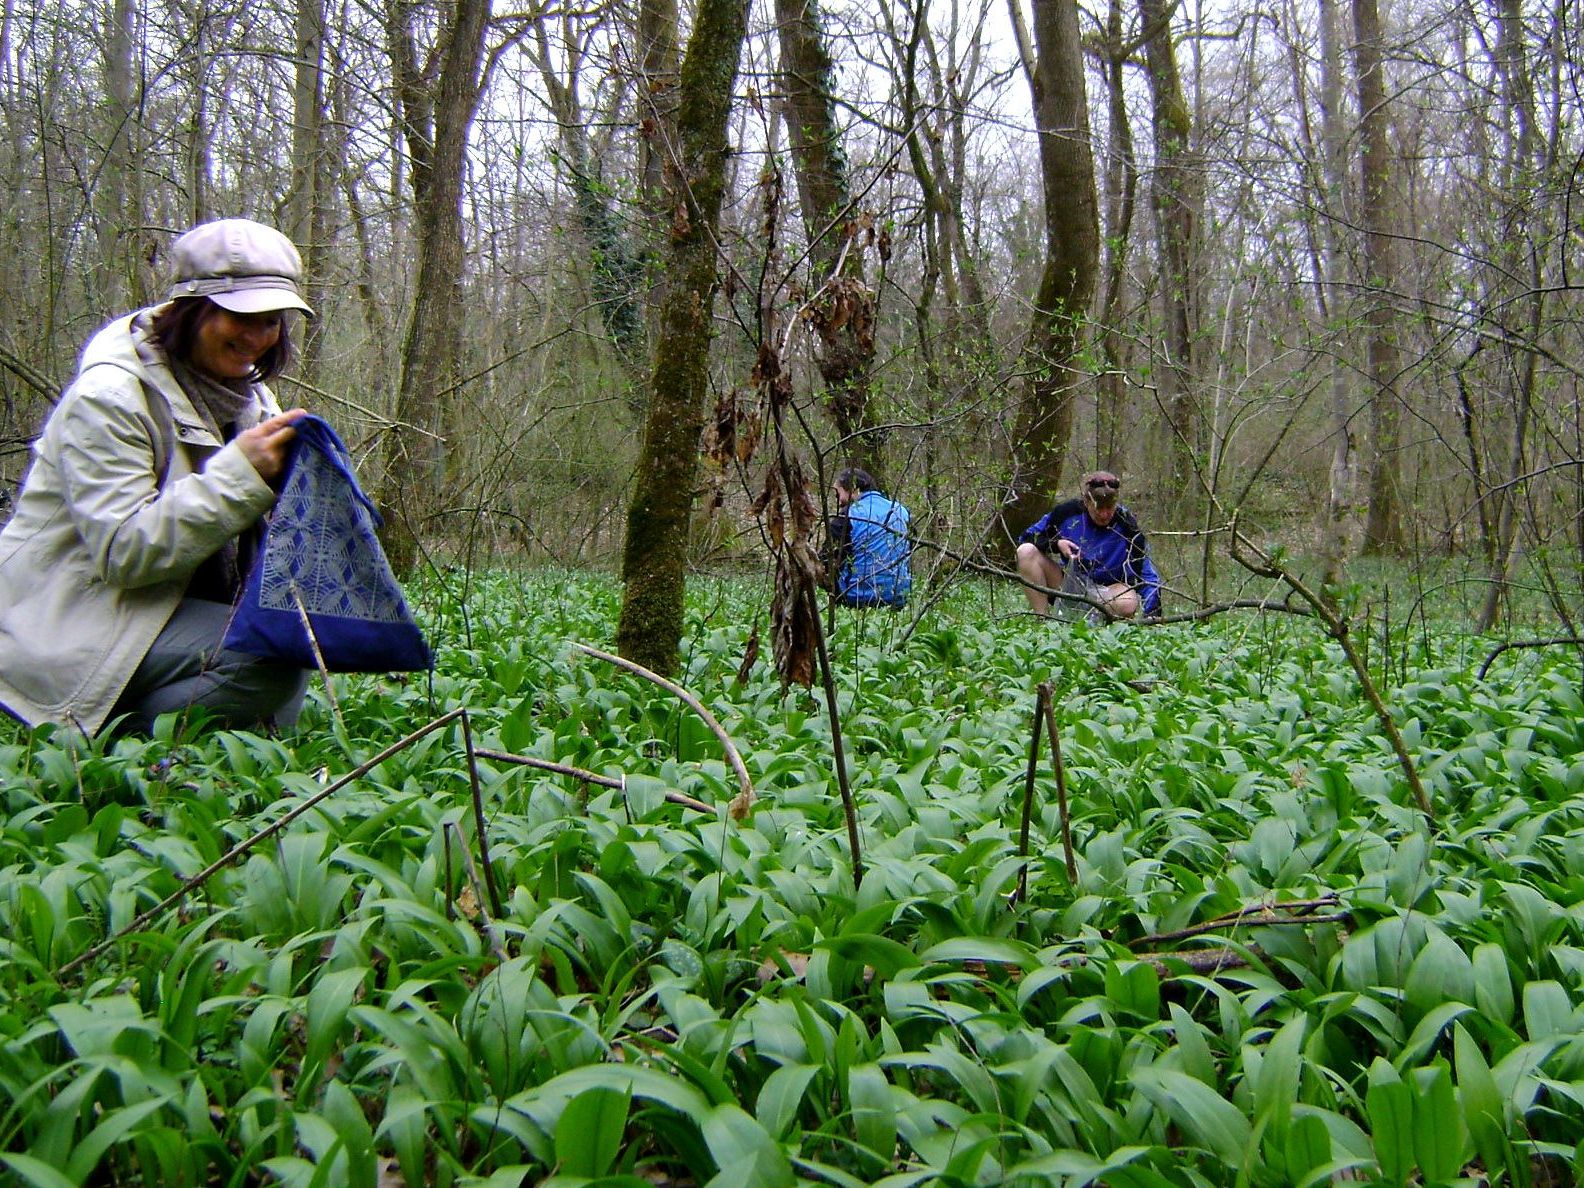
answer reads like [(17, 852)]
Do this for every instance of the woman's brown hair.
[(176, 325)]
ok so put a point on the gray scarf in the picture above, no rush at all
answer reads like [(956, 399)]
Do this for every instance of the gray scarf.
[(220, 404), (219, 577)]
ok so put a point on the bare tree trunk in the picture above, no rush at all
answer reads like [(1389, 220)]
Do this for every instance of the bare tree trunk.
[(1517, 257), (844, 316), (1341, 534), (305, 204), (1121, 189), (124, 247), (1383, 532), (1072, 248), (654, 560), (1174, 196), (437, 130)]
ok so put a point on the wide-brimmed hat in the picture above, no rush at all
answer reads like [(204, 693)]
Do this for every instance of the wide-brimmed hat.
[(240, 265), (1101, 487)]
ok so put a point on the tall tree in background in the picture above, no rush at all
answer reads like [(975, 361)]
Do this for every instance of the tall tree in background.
[(1326, 156), (307, 221), (1174, 194), (1515, 295), (438, 103), (615, 260), (1054, 65), (654, 559), (1120, 178), (844, 313), (1383, 531), (123, 240)]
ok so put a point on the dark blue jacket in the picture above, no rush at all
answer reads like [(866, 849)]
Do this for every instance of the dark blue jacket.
[(871, 549), (1115, 553)]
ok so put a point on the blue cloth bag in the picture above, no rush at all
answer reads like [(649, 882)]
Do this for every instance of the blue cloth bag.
[(319, 555)]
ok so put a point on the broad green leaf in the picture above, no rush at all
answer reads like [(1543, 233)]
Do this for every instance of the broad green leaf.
[(115, 1126), (873, 1113), (1389, 1104), (1428, 1031), (1493, 993), (588, 1135), (1547, 1010), (884, 955), (781, 1097), (36, 1172), (1196, 1058), (1481, 1104), (1308, 1146), (744, 1150), (1439, 1135), (1209, 1119)]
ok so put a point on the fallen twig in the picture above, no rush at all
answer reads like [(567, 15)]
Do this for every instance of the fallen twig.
[(1525, 643), (1248, 921), (588, 777), (745, 797), (242, 847)]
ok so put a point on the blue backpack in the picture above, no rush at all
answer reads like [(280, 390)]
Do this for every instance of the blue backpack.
[(320, 561)]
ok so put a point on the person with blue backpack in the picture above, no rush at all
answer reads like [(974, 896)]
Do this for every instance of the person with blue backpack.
[(1090, 547), (868, 549)]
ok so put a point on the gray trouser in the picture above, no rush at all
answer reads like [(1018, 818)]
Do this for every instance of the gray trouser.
[(187, 667)]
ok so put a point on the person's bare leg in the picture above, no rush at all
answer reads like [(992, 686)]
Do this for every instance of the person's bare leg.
[(1034, 566), (1120, 599)]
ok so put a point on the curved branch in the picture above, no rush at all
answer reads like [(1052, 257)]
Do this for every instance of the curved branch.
[(745, 798)]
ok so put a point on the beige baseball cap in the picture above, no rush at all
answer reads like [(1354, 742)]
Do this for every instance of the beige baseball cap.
[(240, 265)]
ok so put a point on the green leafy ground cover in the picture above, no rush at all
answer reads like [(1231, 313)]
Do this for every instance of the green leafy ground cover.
[(688, 999)]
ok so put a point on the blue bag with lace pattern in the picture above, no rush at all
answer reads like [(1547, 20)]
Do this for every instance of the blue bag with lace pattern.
[(320, 577)]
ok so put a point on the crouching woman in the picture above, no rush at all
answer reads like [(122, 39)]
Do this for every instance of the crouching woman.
[(141, 508)]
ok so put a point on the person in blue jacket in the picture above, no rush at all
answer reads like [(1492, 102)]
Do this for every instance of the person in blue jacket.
[(1091, 546), (867, 547)]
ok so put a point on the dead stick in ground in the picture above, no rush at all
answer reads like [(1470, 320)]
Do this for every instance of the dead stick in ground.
[(745, 797), (1021, 893), (478, 815), (324, 671), (588, 777), (478, 895), (242, 847), (838, 748), (1060, 768)]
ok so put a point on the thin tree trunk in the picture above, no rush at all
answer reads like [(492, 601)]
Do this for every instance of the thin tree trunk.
[(437, 132), (654, 559), (1054, 65), (844, 316), (1121, 189), (1341, 536), (1383, 529), (305, 204), (1173, 194)]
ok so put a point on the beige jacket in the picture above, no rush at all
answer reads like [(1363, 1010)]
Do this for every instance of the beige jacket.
[(129, 491)]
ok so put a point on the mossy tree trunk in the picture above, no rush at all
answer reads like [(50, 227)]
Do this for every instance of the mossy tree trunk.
[(654, 561), (1054, 64)]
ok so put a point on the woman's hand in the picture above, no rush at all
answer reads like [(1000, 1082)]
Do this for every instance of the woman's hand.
[(265, 445)]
